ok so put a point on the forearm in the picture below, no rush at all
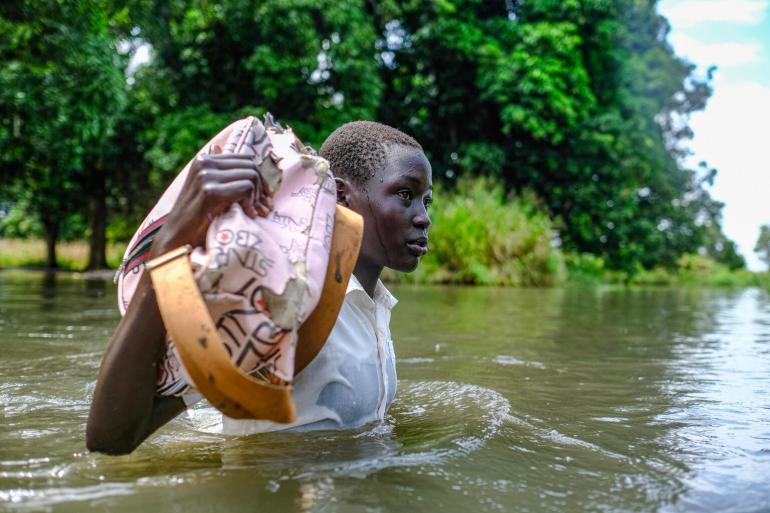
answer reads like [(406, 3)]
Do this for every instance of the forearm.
[(125, 409)]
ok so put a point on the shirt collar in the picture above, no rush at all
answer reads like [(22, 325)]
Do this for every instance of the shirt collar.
[(382, 295)]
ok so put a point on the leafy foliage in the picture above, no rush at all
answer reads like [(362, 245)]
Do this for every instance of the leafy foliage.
[(581, 102), (60, 93), (481, 237), (310, 62)]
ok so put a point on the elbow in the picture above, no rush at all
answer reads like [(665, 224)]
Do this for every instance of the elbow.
[(109, 443), (109, 448)]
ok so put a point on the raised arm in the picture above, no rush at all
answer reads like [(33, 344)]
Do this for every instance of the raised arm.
[(125, 409)]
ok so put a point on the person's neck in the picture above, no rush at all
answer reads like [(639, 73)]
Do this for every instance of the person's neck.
[(367, 275)]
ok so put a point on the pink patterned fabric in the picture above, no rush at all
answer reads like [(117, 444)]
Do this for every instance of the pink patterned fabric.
[(260, 278)]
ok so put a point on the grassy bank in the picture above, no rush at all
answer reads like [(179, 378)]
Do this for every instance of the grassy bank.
[(538, 267), (71, 256), (699, 271)]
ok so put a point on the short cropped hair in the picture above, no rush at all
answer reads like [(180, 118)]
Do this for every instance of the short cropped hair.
[(356, 150)]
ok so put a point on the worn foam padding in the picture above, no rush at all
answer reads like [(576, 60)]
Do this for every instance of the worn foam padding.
[(346, 242)]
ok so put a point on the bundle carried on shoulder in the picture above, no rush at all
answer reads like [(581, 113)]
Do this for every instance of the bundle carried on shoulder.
[(259, 300)]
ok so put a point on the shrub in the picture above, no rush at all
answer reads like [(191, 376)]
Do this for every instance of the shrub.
[(480, 236), (700, 271)]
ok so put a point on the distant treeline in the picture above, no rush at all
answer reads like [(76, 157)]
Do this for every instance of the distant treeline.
[(577, 109)]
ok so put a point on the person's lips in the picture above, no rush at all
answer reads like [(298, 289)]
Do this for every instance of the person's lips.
[(418, 247)]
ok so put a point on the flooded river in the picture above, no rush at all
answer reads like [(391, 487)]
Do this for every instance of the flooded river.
[(508, 400)]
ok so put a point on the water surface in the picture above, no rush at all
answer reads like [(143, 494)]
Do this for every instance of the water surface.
[(508, 400)]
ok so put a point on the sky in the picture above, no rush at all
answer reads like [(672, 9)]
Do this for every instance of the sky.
[(732, 134)]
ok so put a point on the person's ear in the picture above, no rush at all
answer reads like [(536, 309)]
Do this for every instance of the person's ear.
[(343, 191)]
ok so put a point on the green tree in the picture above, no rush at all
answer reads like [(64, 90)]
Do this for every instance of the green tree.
[(581, 101), (61, 88), (762, 247), (310, 62)]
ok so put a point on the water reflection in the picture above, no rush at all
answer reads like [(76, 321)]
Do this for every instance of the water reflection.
[(49, 283), (97, 287), (723, 417), (508, 400)]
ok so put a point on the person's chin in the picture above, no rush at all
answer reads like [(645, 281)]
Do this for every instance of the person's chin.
[(407, 264)]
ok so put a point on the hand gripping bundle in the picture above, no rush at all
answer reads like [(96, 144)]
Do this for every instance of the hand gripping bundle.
[(260, 299)]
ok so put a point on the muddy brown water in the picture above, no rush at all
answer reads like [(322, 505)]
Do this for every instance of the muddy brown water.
[(508, 400)]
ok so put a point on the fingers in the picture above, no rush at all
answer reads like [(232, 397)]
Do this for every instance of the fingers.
[(212, 171), (248, 208), (232, 175), (263, 207), (255, 202), (215, 156), (215, 162), (229, 161), (219, 196)]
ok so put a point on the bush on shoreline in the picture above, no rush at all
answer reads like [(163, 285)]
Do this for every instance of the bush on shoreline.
[(480, 237), (700, 271)]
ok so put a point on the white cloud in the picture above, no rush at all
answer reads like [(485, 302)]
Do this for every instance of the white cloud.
[(732, 135), (723, 54), (693, 12)]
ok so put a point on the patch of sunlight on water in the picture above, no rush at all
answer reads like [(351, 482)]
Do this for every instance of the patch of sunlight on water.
[(508, 400)]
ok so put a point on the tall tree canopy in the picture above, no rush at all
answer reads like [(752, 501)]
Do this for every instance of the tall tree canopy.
[(310, 62), (582, 101), (61, 91)]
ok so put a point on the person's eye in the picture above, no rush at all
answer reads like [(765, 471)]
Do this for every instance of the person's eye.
[(405, 194), (428, 202)]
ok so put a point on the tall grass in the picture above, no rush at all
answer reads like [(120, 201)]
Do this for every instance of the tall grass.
[(72, 256), (700, 271), (480, 236)]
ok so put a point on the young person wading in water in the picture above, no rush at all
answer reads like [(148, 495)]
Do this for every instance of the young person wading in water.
[(380, 173)]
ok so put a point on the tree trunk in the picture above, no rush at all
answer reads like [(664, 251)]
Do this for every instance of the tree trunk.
[(97, 258), (51, 237)]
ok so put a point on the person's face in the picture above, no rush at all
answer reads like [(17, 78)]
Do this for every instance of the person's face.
[(394, 205)]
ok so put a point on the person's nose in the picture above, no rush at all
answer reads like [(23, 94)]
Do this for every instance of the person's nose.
[(422, 219)]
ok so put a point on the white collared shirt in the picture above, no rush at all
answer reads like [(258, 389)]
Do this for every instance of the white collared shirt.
[(352, 380)]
